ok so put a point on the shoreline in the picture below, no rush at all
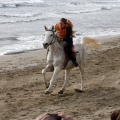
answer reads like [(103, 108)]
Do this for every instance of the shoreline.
[(100, 39)]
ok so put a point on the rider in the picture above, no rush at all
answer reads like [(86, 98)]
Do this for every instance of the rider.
[(64, 31)]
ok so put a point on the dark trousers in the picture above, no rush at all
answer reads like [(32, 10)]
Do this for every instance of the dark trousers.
[(68, 50)]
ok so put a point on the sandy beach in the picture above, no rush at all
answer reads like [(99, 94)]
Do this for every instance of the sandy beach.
[(22, 90)]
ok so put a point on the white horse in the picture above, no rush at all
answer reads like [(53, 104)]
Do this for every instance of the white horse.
[(56, 59)]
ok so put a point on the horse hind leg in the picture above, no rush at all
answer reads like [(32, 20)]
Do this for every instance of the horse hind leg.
[(67, 77), (81, 68)]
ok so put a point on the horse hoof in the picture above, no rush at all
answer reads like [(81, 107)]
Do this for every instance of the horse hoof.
[(78, 90), (60, 92), (47, 86), (47, 92)]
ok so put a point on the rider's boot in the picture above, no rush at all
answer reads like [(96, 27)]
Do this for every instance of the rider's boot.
[(73, 58)]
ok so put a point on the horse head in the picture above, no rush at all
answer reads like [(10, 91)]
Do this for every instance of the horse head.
[(48, 36)]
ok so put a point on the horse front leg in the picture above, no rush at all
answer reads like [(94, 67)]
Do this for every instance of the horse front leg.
[(53, 79), (48, 68), (67, 77)]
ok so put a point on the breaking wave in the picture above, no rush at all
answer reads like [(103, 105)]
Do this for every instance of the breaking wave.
[(14, 4)]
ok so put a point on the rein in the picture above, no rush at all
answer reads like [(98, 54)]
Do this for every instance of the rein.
[(55, 39)]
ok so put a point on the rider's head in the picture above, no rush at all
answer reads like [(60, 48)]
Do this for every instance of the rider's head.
[(63, 22)]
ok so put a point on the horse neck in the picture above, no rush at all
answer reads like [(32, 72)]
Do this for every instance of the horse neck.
[(55, 46)]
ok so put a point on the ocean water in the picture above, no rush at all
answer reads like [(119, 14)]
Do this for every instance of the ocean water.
[(22, 21)]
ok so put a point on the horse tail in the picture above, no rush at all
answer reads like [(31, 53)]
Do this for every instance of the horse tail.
[(91, 42)]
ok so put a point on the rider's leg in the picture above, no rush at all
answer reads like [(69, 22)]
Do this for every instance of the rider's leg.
[(73, 58), (71, 54)]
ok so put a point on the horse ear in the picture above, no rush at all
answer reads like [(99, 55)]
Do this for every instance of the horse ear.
[(46, 28), (53, 28)]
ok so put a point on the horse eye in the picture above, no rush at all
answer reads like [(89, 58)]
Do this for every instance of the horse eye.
[(51, 35)]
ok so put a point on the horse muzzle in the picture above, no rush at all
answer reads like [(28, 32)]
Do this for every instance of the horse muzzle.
[(45, 45)]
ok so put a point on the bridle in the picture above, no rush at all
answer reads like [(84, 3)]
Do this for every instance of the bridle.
[(54, 38)]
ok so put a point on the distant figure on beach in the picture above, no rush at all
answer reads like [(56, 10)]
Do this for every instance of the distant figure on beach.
[(64, 32), (59, 116), (115, 115)]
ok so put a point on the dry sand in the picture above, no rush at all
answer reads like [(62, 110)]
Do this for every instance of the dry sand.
[(22, 90)]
